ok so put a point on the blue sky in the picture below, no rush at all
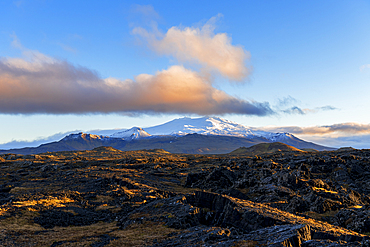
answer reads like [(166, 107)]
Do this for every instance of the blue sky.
[(298, 66)]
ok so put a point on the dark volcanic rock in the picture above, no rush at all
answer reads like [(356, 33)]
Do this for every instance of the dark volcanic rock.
[(241, 219), (287, 235), (78, 217)]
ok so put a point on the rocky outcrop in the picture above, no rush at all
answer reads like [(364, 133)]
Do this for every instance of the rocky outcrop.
[(213, 218)]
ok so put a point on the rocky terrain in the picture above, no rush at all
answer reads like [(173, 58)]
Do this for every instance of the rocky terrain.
[(107, 197)]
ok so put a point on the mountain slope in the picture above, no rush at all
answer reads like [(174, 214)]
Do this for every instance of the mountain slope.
[(265, 148), (291, 140), (193, 144)]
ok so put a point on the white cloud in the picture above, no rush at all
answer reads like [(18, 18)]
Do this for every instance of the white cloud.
[(364, 67), (298, 110), (202, 46)]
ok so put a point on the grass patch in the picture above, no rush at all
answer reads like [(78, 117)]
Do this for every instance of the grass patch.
[(245, 243), (19, 190), (141, 234), (71, 235), (318, 216), (139, 215), (134, 235), (105, 207), (21, 222), (101, 198), (49, 202)]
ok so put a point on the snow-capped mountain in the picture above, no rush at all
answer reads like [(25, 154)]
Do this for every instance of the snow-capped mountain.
[(214, 126), (130, 134), (173, 136), (204, 126)]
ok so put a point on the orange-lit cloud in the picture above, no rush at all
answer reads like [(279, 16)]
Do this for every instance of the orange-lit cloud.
[(337, 129), (202, 46), (40, 84)]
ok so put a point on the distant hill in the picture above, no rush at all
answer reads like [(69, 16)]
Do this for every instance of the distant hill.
[(106, 149), (72, 142), (265, 148)]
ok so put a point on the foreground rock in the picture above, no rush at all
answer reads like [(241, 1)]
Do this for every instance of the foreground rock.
[(223, 220), (106, 197)]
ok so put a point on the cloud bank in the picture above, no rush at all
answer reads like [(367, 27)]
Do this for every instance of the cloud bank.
[(338, 129), (38, 83), (41, 84)]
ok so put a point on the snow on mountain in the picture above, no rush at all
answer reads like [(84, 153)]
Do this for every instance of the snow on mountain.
[(274, 137), (214, 126), (130, 134), (277, 137), (204, 125)]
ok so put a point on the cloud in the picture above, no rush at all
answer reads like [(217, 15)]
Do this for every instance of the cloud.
[(67, 48), (38, 83), (202, 46), (364, 67), (36, 142), (288, 105), (294, 110), (339, 129), (285, 101), (18, 3), (358, 141), (41, 84), (145, 10), (326, 108), (298, 110), (15, 42)]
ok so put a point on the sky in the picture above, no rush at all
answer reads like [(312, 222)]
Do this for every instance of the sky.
[(297, 66)]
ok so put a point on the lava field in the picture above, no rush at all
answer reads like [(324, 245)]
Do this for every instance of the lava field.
[(107, 197)]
